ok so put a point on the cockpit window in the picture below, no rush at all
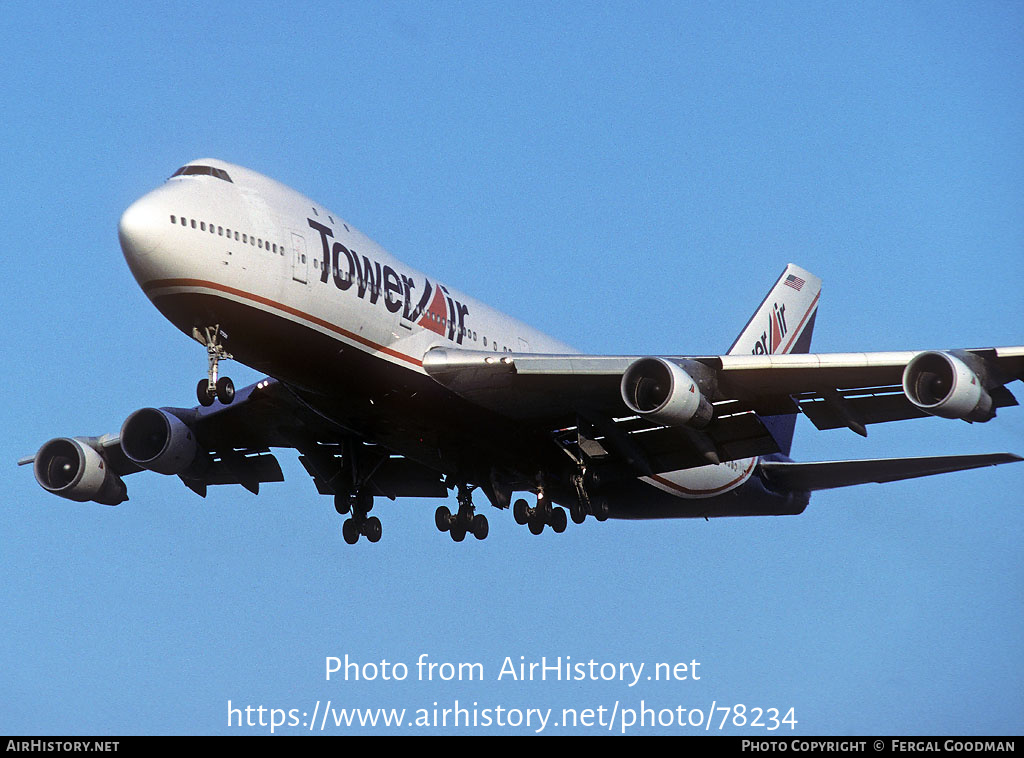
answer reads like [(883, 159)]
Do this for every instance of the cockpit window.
[(204, 170)]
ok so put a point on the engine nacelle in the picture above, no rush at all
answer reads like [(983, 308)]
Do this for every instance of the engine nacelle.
[(662, 391), (159, 441), (73, 469), (943, 385)]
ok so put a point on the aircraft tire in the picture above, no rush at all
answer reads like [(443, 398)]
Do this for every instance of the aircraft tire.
[(519, 511), (350, 531), (479, 526), (536, 525), (558, 520), (443, 518), (458, 532), (203, 393), (372, 529), (577, 514), (225, 390)]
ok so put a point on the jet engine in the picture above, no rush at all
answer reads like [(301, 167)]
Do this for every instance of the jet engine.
[(662, 391), (943, 385), (73, 469), (159, 441)]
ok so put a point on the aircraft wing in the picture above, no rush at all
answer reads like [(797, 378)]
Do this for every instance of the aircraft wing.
[(222, 444), (712, 397)]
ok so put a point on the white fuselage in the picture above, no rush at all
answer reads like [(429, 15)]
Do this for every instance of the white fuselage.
[(249, 240)]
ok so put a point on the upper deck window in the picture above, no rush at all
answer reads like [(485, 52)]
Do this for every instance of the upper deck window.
[(203, 170)]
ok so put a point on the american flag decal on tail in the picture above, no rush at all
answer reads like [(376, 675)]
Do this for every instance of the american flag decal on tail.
[(781, 323)]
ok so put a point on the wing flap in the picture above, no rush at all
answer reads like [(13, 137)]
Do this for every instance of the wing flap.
[(646, 450), (248, 468), (393, 477), (873, 406), (673, 448), (876, 407)]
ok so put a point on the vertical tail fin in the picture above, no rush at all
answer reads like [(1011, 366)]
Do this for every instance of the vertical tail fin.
[(784, 320), (783, 323)]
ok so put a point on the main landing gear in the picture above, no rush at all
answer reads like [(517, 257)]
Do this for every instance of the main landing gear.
[(358, 524), (594, 506), (544, 514), (586, 503), (463, 522), (212, 388)]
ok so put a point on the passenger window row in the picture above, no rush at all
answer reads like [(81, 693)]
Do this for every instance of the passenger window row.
[(220, 231), (275, 248)]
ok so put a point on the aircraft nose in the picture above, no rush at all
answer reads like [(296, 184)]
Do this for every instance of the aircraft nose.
[(142, 227)]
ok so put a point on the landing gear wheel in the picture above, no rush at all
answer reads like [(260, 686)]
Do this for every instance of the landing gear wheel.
[(600, 507), (372, 529), (203, 393), (443, 518), (479, 526), (350, 531), (519, 511), (458, 532), (558, 521), (225, 390), (536, 525), (577, 514), (342, 502)]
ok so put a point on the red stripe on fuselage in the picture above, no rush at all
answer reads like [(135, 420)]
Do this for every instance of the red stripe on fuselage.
[(687, 491), (162, 283)]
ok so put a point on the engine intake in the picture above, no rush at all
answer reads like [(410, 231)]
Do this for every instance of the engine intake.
[(159, 441), (943, 385), (662, 391), (73, 469)]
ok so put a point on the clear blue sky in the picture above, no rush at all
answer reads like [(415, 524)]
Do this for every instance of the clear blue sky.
[(628, 177)]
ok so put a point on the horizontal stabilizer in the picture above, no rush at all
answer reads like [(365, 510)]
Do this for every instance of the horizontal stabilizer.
[(824, 475)]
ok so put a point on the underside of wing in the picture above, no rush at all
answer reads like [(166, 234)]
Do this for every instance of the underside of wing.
[(579, 398), (227, 444)]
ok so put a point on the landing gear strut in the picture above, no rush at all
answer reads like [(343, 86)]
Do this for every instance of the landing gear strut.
[(211, 388), (463, 522)]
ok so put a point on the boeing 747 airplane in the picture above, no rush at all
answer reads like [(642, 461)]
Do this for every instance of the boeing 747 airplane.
[(390, 383)]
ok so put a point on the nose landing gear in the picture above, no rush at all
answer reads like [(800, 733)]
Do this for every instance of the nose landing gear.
[(212, 388)]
